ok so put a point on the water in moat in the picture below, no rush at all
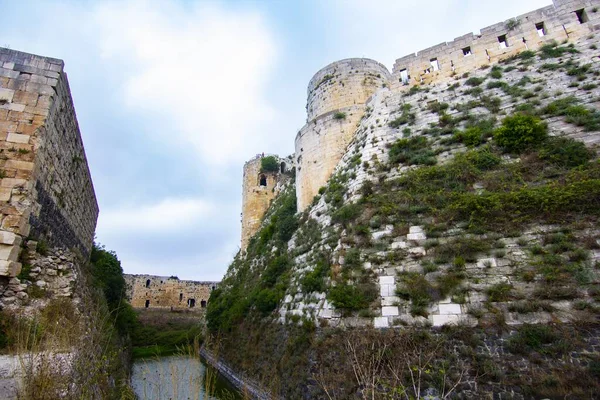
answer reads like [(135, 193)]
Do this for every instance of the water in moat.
[(179, 378)]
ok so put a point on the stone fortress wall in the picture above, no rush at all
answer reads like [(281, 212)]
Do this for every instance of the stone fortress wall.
[(259, 188), (161, 292), (564, 20), (46, 190)]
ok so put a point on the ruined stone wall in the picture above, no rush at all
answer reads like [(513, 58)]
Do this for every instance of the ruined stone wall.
[(151, 291), (337, 95), (46, 190), (565, 20), (257, 197)]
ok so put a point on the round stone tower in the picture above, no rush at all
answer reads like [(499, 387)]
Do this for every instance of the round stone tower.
[(259, 188), (337, 97)]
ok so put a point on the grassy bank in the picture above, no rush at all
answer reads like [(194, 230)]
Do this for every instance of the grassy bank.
[(160, 333)]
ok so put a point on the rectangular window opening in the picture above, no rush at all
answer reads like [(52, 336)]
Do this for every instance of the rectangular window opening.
[(435, 64), (503, 42), (404, 76), (467, 51), (582, 16), (541, 29)]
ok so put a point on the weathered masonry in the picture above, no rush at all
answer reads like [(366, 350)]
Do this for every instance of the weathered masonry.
[(46, 191), (151, 291), (564, 20), (259, 188)]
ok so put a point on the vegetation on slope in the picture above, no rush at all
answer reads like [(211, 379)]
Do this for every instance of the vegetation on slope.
[(512, 175)]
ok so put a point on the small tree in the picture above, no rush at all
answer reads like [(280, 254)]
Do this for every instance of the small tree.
[(520, 132), (269, 164)]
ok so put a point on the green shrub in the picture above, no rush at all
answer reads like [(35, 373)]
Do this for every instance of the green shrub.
[(541, 338), (470, 137), (526, 55), (483, 159), (465, 248), (42, 248), (269, 164), (415, 150), (520, 132), (474, 81), (346, 213), (352, 297), (552, 50), (496, 72), (405, 118), (314, 281), (267, 300), (438, 107), (497, 84), (499, 292), (565, 152), (339, 115)]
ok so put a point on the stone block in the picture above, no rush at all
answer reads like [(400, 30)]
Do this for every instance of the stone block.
[(417, 251), (399, 245), (17, 138), (387, 290), (416, 237), (7, 94), (8, 73), (10, 238), (390, 300), (9, 252), (381, 322), (12, 182), (441, 320), (450, 309), (387, 280), (415, 229), (389, 311), (24, 165), (9, 268), (5, 193)]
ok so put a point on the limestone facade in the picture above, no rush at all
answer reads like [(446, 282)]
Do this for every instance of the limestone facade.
[(46, 191), (259, 189), (162, 292)]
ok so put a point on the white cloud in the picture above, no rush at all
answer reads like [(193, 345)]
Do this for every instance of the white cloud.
[(389, 29), (199, 70), (170, 215)]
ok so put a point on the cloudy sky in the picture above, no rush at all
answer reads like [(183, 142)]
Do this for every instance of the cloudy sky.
[(173, 96)]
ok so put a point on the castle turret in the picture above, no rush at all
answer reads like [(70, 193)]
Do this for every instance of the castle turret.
[(263, 176), (337, 97)]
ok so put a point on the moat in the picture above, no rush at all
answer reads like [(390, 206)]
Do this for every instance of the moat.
[(179, 377)]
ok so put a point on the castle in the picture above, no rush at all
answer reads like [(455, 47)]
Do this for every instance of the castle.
[(338, 94), (167, 293)]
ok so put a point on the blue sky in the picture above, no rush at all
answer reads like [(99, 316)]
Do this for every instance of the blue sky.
[(173, 96)]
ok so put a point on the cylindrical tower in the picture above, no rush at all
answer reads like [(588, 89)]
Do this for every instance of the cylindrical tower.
[(259, 188), (337, 97)]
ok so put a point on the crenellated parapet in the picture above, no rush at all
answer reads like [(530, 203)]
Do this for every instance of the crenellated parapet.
[(564, 20)]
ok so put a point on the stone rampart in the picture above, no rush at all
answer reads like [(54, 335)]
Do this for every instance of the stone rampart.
[(162, 292), (46, 190), (565, 20)]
